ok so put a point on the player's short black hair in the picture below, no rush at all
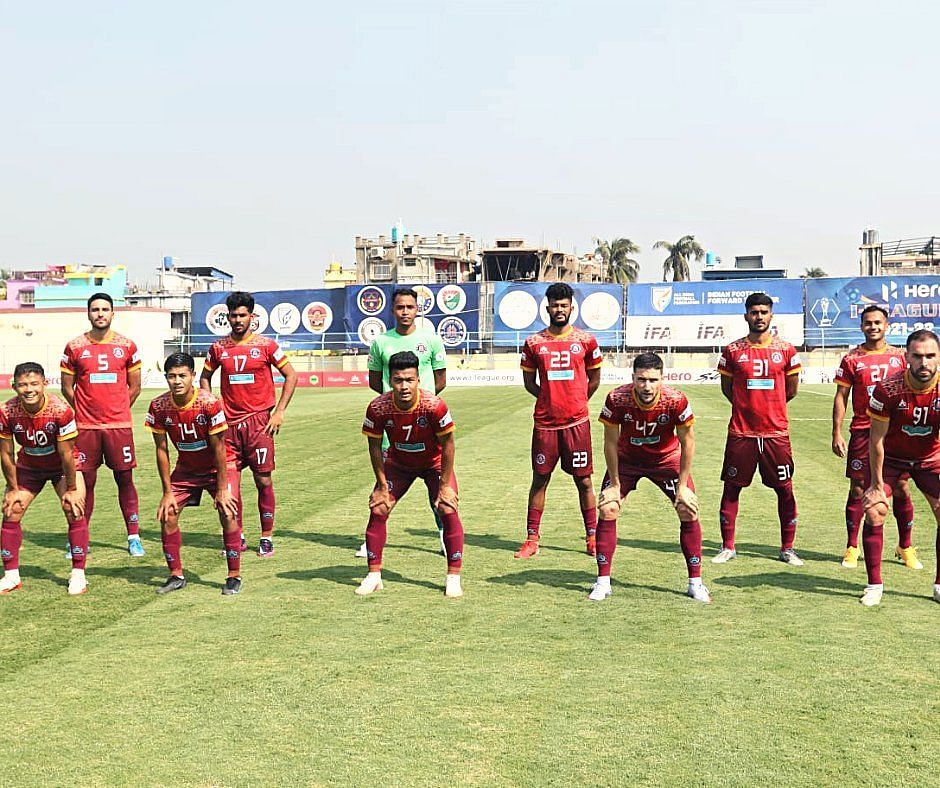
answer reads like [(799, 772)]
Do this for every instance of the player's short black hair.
[(404, 360), (648, 361), (28, 368), (100, 297), (239, 298), (559, 291), (758, 299), (922, 335), (873, 308), (404, 291), (179, 360)]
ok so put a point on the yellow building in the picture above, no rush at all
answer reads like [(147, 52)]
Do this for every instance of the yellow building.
[(336, 276)]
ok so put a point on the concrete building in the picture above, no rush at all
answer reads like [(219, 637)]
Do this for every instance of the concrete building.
[(748, 266), (336, 276), (64, 286), (511, 259), (416, 259), (918, 256)]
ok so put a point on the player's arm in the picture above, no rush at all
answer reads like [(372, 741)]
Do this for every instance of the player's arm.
[(839, 406), (684, 495), (73, 499), (609, 501), (727, 387), (133, 385), (68, 387), (290, 384), (793, 384), (593, 380), (205, 379), (876, 451), (14, 499), (440, 380), (447, 494), (376, 366), (530, 382), (439, 363), (380, 498), (375, 380), (168, 505), (225, 502)]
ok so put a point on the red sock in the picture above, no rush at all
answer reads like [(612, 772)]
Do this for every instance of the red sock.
[(128, 501), (937, 578), (590, 521), (11, 539), (78, 542), (171, 551), (728, 514), (453, 540), (266, 508), (854, 514), (904, 514), (690, 539), (232, 540), (533, 519), (873, 542), (786, 510), (90, 478), (376, 534), (606, 546)]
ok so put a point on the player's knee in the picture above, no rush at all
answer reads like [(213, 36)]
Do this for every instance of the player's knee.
[(686, 515), (540, 481), (609, 510), (446, 508), (876, 513), (262, 479), (855, 493)]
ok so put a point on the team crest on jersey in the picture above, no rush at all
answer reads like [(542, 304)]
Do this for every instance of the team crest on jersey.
[(575, 347), (422, 421), (201, 419), (539, 459), (118, 352), (86, 353), (663, 418), (255, 353), (776, 357), (51, 426), (857, 465), (81, 457), (421, 347), (732, 472)]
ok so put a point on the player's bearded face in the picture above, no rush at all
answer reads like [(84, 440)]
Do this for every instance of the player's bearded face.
[(180, 381), (758, 319), (405, 387), (240, 321), (874, 327), (30, 388), (559, 312), (646, 384), (100, 314), (922, 360)]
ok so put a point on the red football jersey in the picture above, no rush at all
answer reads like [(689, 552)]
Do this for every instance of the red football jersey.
[(189, 428), (647, 432), (562, 363), (38, 433), (913, 416), (860, 370), (412, 434), (247, 383), (759, 389), (100, 369)]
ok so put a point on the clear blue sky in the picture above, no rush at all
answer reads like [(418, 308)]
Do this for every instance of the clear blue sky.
[(262, 137)]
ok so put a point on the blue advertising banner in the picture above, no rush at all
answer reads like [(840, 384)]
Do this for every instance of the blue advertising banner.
[(834, 307), (708, 314), (297, 319), (520, 309), (452, 310)]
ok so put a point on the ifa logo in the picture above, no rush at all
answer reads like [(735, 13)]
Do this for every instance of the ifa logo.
[(118, 352)]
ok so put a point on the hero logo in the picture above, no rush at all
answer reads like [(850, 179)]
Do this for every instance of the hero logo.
[(889, 292), (776, 357), (539, 459)]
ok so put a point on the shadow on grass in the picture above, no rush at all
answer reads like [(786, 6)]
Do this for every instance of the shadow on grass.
[(569, 580), (804, 582), (349, 543), (349, 575), (148, 576), (493, 542), (743, 549)]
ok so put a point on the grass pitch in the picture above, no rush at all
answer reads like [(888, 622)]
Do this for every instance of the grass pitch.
[(784, 679)]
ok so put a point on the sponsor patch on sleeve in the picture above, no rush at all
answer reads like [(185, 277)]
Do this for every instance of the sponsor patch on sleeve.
[(876, 405), (368, 423), (68, 429), (605, 411), (446, 420), (217, 419), (686, 414), (795, 361)]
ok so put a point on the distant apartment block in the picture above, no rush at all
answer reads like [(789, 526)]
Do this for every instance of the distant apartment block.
[(895, 258), (61, 286), (416, 259), (511, 259)]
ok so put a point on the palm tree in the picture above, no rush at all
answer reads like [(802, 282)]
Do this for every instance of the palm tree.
[(678, 260), (814, 273), (618, 264)]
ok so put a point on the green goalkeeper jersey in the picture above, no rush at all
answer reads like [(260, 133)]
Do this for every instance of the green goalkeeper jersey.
[(424, 343)]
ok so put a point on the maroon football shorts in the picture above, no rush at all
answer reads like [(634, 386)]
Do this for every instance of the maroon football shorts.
[(857, 467), (251, 446), (572, 445), (115, 447), (188, 487), (743, 456), (666, 477), (400, 479), (34, 479), (927, 479)]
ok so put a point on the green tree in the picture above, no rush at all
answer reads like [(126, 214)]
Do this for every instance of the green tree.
[(677, 263), (618, 265), (813, 273)]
